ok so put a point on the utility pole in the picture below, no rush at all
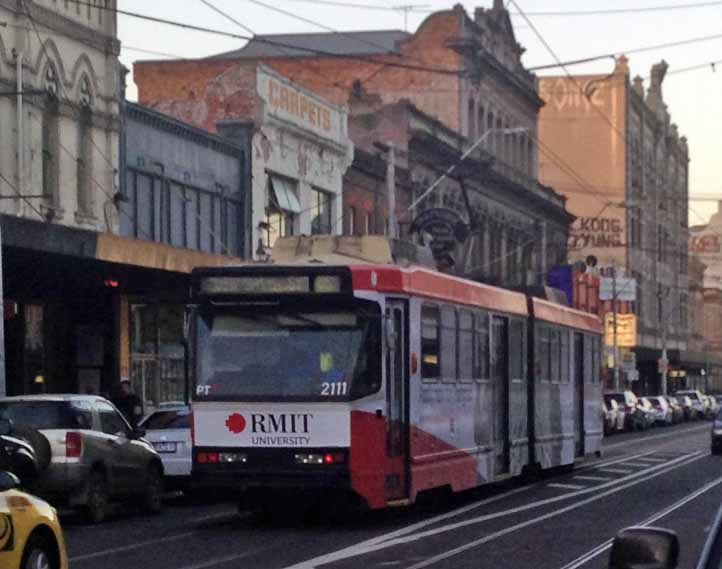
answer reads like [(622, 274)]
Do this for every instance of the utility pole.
[(406, 8), (393, 225), (614, 326)]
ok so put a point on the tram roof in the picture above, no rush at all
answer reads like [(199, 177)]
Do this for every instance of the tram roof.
[(560, 314), (432, 284)]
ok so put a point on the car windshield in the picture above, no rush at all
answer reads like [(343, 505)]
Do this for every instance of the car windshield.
[(162, 420), (38, 414), (279, 353)]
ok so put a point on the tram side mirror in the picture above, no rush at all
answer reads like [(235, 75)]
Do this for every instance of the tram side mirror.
[(651, 548)]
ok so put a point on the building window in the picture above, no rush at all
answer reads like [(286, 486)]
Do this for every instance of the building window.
[(472, 121), (85, 161), (283, 209), (321, 213), (352, 220), (50, 144)]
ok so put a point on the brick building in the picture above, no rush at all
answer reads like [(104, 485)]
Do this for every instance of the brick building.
[(629, 192), (463, 75)]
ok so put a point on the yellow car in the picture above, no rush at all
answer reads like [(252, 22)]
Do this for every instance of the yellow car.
[(30, 534)]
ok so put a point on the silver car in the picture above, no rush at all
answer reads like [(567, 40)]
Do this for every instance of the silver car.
[(87, 452), (168, 429)]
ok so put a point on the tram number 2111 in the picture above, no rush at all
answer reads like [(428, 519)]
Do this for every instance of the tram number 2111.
[(329, 389)]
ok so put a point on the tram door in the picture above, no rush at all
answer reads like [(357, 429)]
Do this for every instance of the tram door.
[(397, 363), (500, 381), (578, 384)]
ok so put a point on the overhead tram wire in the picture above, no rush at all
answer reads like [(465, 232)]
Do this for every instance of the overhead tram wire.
[(266, 40)]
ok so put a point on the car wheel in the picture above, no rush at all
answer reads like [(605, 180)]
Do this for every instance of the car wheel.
[(38, 554), (96, 506), (153, 492)]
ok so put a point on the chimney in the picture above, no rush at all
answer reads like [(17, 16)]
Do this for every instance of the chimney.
[(638, 86), (498, 5), (622, 65), (654, 95)]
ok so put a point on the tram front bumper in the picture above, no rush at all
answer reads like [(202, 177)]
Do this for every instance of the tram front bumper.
[(270, 468)]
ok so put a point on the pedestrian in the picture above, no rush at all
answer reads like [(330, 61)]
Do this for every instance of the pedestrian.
[(128, 403)]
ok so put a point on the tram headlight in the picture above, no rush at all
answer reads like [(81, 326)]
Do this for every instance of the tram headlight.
[(318, 459), (232, 457)]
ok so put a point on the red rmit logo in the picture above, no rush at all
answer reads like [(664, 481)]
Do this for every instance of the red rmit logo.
[(236, 423)]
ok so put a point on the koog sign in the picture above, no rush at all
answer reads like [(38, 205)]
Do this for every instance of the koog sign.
[(229, 425)]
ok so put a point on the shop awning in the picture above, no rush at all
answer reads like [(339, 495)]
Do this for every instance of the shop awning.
[(284, 194), (127, 251)]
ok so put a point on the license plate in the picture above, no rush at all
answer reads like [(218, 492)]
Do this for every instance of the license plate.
[(165, 447)]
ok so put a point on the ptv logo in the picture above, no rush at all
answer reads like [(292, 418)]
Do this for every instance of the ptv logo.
[(270, 423)]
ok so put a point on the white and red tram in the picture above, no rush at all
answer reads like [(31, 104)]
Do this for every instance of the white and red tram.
[(384, 382)]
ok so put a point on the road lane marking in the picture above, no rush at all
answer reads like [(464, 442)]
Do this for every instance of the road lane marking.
[(593, 478), (610, 462), (401, 536), (566, 486), (125, 548), (616, 470), (602, 547), (652, 459), (636, 464), (655, 437), (226, 559), (471, 545)]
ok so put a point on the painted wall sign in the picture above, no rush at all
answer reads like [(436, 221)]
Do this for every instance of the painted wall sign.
[(709, 243), (626, 330), (598, 232), (292, 103), (445, 227)]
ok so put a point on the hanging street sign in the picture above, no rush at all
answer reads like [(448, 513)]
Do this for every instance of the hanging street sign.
[(626, 330), (625, 289), (445, 227)]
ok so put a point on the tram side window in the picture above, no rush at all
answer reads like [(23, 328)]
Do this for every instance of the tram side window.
[(554, 355), (588, 359), (565, 363), (517, 352), (466, 345), (596, 359), (481, 344), (430, 323), (448, 344), (542, 353)]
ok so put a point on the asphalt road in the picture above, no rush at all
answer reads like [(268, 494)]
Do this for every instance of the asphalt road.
[(664, 477)]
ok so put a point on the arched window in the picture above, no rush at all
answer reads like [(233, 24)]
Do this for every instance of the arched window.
[(50, 138), (86, 93), (51, 82)]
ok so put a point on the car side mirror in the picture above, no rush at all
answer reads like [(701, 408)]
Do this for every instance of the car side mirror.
[(651, 548), (8, 481), (6, 427)]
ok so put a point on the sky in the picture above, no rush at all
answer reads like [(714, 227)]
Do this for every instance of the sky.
[(694, 98)]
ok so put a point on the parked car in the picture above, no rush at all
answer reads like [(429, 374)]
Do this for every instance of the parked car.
[(663, 413), (716, 442), (698, 405), (677, 409), (30, 536), (650, 417), (634, 418), (87, 452), (712, 407), (168, 429), (689, 411)]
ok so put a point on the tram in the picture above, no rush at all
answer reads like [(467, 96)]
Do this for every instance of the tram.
[(383, 382)]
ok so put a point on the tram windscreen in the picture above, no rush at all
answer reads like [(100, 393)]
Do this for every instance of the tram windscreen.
[(281, 354)]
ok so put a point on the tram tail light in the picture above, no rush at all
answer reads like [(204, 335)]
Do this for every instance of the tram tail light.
[(207, 458)]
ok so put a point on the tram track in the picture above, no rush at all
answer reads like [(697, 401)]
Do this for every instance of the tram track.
[(405, 536)]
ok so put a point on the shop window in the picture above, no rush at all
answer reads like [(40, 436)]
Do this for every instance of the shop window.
[(158, 353), (321, 213), (283, 208), (430, 324)]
